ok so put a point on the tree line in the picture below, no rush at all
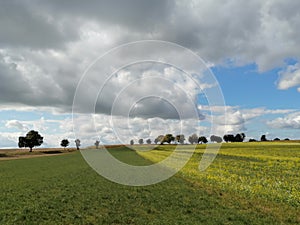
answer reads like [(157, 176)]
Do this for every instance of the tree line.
[(195, 139), (33, 139)]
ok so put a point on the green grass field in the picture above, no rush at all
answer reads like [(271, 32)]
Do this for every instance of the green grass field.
[(248, 183)]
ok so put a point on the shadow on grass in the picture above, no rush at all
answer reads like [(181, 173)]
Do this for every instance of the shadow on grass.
[(52, 152)]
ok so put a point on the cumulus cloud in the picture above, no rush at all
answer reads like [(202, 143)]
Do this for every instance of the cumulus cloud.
[(16, 124), (45, 47), (117, 129), (234, 119), (290, 77), (9, 139), (23, 24), (289, 121), (53, 130), (261, 31)]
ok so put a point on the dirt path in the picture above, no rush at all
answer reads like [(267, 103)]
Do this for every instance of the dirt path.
[(11, 154)]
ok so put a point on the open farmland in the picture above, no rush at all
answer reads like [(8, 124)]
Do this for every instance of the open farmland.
[(248, 183)]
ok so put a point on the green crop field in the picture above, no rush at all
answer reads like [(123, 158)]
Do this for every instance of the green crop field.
[(248, 183)]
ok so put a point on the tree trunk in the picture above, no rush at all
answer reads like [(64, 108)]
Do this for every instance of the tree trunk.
[(30, 150)]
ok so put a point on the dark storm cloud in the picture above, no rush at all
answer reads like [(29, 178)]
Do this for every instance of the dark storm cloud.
[(22, 24), (134, 14), (45, 46), (12, 84)]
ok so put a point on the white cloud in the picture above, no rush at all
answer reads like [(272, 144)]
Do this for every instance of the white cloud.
[(45, 47), (43, 70), (16, 124), (289, 78), (9, 139), (289, 121), (234, 119), (117, 129)]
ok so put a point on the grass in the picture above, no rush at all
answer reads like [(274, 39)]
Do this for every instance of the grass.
[(265, 175), (63, 189)]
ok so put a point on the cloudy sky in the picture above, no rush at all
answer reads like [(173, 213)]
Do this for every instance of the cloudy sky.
[(84, 69)]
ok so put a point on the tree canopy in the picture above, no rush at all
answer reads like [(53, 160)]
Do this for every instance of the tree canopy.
[(97, 143), (159, 139), (65, 143), (77, 142), (168, 138), (263, 138), (231, 138), (202, 139), (180, 138), (32, 139), (214, 138), (193, 139), (141, 141)]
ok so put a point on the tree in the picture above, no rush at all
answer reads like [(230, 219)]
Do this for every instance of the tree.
[(193, 138), (180, 138), (239, 137), (226, 138), (159, 138), (148, 141), (229, 138), (252, 140), (202, 139), (64, 143), (32, 139), (263, 138), (276, 139), (168, 138), (286, 139), (141, 141), (77, 142), (97, 143), (214, 138), (131, 142)]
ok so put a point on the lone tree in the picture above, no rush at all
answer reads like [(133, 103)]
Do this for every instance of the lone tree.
[(263, 138), (229, 138), (131, 142), (202, 139), (193, 138), (252, 140), (77, 142), (239, 137), (180, 138), (160, 138), (168, 138), (215, 138), (97, 143), (141, 141), (64, 143), (148, 141), (32, 139)]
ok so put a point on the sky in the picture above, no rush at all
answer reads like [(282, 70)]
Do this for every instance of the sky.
[(120, 70)]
